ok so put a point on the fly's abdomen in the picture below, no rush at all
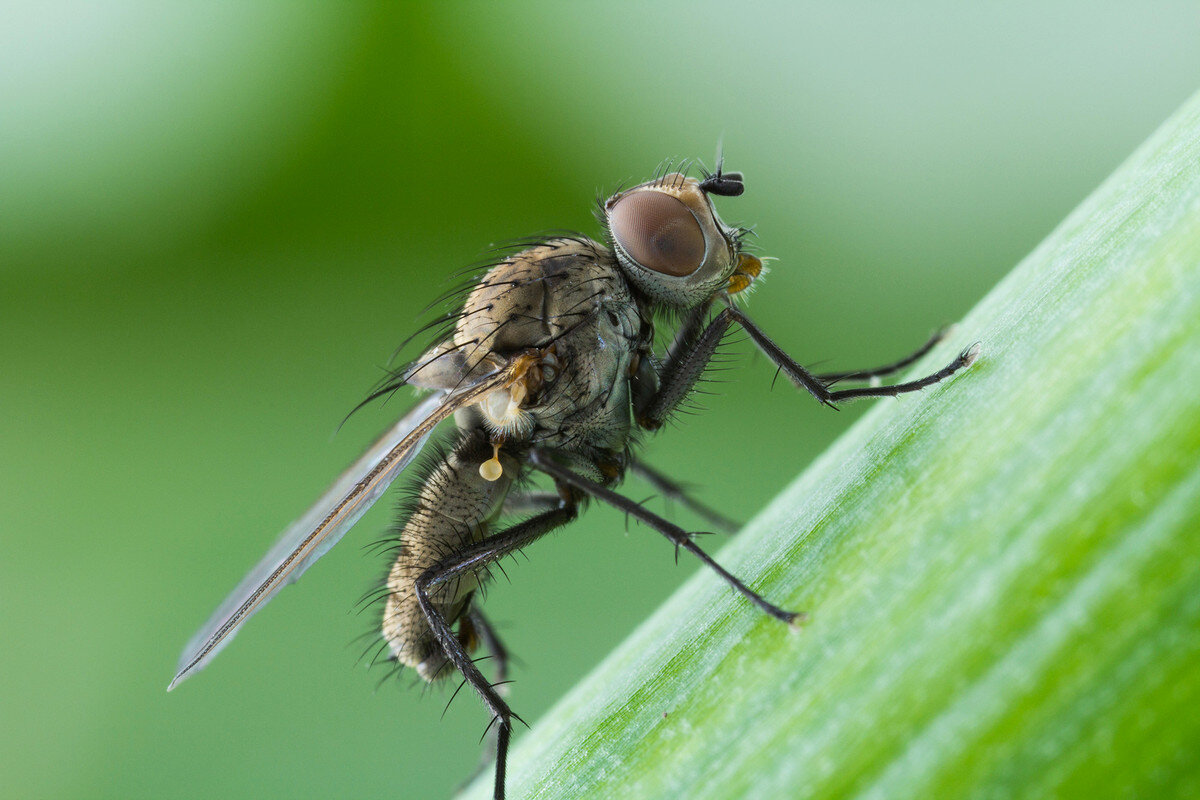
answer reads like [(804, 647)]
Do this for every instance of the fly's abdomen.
[(454, 508)]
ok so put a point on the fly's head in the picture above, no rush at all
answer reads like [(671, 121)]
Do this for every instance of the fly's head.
[(672, 245)]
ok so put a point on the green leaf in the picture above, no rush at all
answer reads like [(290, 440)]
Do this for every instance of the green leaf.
[(1002, 572)]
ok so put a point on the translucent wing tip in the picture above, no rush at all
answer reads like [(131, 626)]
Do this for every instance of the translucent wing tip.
[(310, 537), (187, 666)]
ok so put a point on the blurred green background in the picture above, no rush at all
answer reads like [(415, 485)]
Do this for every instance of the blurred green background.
[(218, 220)]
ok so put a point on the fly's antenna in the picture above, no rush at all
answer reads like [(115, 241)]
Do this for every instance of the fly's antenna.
[(720, 182)]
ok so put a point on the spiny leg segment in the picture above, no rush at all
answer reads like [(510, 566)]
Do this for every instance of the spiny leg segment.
[(686, 363), (544, 461), (499, 656), (673, 490), (472, 559)]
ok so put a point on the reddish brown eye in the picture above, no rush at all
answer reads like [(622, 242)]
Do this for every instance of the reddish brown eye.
[(657, 231)]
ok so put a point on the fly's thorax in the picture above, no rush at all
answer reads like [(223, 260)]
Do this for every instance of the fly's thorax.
[(587, 407), (533, 297), (566, 315), (525, 302)]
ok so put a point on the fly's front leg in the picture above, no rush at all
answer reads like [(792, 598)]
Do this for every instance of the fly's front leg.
[(690, 351), (472, 559), (818, 388), (544, 461), (830, 378), (680, 374)]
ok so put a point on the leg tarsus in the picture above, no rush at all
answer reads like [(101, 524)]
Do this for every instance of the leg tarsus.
[(500, 658), (830, 378), (503, 732), (964, 359), (691, 353)]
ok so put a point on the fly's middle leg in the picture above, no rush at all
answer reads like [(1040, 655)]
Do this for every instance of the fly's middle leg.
[(545, 462)]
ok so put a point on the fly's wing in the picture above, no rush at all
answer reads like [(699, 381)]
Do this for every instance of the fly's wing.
[(327, 521)]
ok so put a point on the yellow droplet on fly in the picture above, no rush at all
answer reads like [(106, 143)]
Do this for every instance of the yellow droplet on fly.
[(492, 469)]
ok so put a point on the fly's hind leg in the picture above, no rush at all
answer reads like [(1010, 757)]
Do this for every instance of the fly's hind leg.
[(529, 502), (482, 629), (472, 559), (495, 648)]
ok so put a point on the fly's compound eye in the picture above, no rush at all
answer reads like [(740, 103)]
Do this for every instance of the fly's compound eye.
[(658, 232)]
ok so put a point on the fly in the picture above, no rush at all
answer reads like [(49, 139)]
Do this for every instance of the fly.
[(549, 367)]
